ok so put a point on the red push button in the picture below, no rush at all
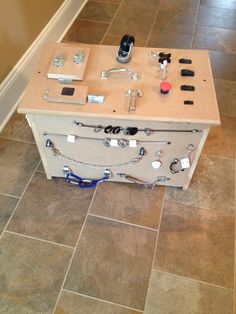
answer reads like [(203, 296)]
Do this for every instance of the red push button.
[(165, 87)]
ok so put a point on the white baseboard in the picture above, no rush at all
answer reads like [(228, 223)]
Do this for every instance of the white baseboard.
[(13, 86)]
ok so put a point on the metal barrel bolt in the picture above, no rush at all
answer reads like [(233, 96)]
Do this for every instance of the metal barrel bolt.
[(132, 94)]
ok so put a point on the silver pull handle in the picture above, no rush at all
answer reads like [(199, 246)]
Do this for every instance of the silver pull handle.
[(105, 74)]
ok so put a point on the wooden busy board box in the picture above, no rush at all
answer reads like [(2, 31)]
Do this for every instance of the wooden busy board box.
[(118, 122)]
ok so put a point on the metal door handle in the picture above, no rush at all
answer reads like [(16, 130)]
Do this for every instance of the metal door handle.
[(106, 73)]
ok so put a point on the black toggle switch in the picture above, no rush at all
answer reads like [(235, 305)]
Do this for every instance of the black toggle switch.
[(190, 88), (186, 61), (186, 72)]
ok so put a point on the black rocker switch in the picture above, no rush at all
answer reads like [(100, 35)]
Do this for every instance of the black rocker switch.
[(190, 88), (186, 61), (186, 72), (188, 102)]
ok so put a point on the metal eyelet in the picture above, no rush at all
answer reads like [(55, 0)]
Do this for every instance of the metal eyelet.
[(148, 131), (122, 143), (107, 142), (98, 128)]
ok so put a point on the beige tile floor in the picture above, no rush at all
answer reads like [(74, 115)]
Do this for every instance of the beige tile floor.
[(123, 249)]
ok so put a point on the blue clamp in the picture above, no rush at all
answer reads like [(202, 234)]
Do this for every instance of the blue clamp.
[(86, 183)]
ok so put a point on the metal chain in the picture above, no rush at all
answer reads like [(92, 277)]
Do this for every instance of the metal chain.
[(144, 183), (57, 153)]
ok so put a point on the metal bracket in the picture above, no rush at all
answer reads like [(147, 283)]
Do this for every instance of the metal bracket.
[(95, 99)]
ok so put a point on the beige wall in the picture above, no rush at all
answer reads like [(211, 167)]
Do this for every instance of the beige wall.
[(21, 21)]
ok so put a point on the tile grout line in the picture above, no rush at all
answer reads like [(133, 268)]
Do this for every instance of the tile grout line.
[(10, 195), (154, 20), (114, 16), (91, 20), (101, 300), (207, 210), (20, 198), (38, 239), (235, 247), (123, 222), (155, 247), (195, 25), (73, 254), (17, 140), (41, 171), (194, 280)]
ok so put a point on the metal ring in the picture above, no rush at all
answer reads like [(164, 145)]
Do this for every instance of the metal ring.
[(108, 129), (148, 131), (107, 142), (126, 131), (98, 128), (122, 143)]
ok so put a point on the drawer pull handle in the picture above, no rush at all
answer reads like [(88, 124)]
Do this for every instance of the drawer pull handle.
[(105, 74)]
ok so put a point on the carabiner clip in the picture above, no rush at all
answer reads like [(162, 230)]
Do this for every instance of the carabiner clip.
[(84, 183)]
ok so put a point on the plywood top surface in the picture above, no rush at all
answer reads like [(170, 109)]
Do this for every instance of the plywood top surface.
[(151, 106)]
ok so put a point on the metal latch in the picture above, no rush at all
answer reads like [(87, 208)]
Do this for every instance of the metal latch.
[(132, 94)]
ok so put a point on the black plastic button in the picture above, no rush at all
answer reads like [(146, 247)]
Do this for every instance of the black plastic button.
[(67, 91)]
